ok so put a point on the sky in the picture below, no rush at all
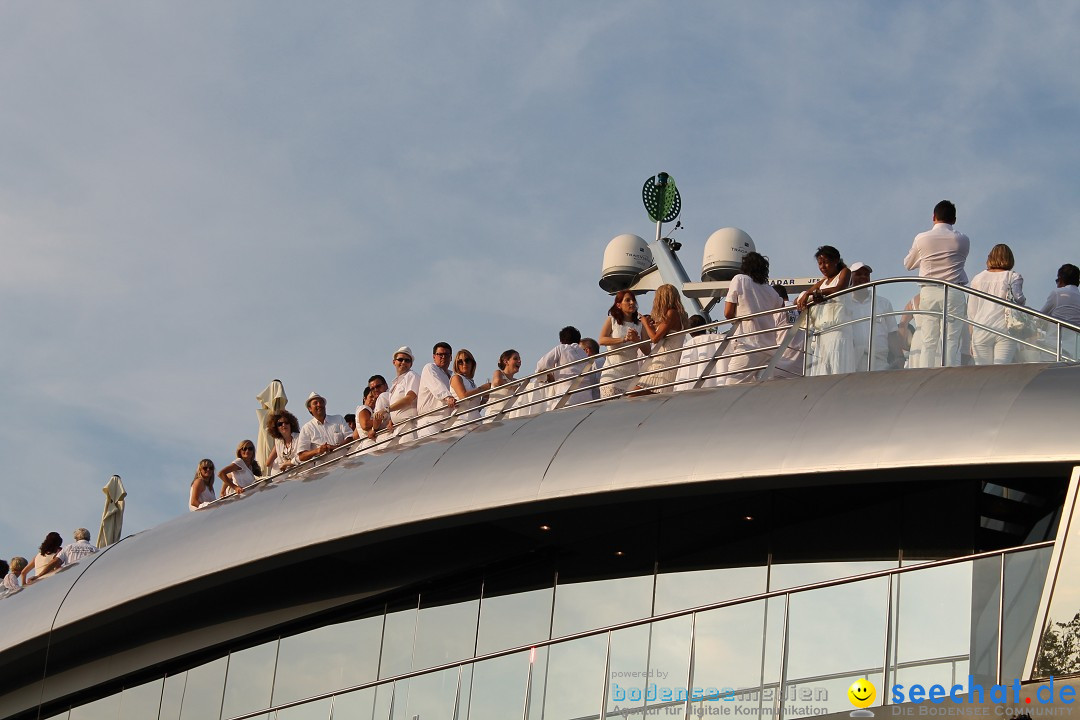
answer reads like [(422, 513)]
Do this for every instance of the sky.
[(197, 198)]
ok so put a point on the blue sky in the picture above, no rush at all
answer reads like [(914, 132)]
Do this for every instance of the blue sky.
[(196, 198)]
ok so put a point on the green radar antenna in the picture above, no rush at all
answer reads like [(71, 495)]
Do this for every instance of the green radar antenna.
[(661, 198)]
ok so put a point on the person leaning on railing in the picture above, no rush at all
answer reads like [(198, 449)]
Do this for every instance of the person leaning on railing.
[(503, 386), (202, 487), (751, 293), (995, 346), (832, 351), (285, 429), (621, 327), (465, 387), (667, 317)]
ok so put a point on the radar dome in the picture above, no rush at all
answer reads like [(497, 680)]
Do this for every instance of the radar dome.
[(625, 257), (724, 251)]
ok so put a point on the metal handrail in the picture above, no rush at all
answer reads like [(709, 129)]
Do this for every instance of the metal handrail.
[(529, 393)]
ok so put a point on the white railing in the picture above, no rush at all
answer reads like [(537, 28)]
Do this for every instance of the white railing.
[(792, 349)]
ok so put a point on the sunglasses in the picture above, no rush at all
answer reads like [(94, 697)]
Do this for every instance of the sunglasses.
[(284, 423), (247, 448), (403, 359), (442, 354), (466, 361)]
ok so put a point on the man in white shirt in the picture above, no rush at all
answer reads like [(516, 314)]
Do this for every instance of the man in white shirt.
[(77, 550), (399, 403), (435, 395), (886, 339), (322, 433), (567, 351), (1064, 304), (592, 349), (940, 253)]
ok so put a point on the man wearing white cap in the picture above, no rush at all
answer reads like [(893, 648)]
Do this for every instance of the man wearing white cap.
[(886, 339), (400, 402), (322, 433)]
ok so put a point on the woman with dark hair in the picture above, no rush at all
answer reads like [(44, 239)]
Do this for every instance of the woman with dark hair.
[(509, 364), (242, 471), (202, 487), (751, 293), (831, 351), (45, 563), (987, 346), (621, 327), (285, 429)]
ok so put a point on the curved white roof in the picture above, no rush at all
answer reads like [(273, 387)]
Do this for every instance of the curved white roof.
[(790, 429)]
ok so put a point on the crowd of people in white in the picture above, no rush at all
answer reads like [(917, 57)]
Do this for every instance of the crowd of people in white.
[(647, 353)]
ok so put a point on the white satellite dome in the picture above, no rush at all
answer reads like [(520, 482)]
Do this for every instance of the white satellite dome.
[(625, 257), (724, 251)]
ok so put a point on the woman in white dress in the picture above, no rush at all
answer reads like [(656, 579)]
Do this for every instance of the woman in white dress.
[(242, 471), (202, 487), (667, 317), (285, 429), (622, 328), (465, 387), (502, 384), (989, 347), (831, 352)]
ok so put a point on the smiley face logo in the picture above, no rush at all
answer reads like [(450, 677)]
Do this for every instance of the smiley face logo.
[(862, 693)]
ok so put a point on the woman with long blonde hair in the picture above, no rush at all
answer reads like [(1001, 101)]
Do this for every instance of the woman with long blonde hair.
[(202, 487), (667, 317)]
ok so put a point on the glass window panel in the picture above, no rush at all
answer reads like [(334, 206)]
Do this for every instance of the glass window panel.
[(62, 716), (985, 596), (728, 643), (204, 690), (384, 701), (172, 696), (445, 633), (498, 687), (514, 620), (829, 695), (250, 679), (538, 673), (795, 574), (1070, 344), (682, 590), (835, 631), (1025, 575), (106, 708), (774, 654), (589, 605), (397, 644), (933, 615), (357, 705), (575, 679), (327, 659), (142, 701), (461, 710), (317, 710), (433, 696), (627, 680), (399, 704), (669, 663)]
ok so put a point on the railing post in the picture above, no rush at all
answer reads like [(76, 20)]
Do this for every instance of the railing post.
[(944, 321), (870, 337)]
